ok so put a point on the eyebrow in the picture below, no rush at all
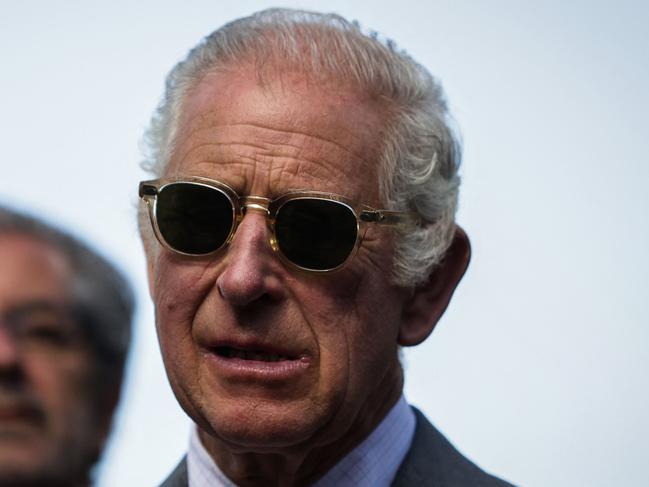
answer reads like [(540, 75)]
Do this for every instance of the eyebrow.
[(62, 309)]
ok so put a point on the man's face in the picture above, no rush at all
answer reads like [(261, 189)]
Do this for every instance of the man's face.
[(46, 426), (260, 355)]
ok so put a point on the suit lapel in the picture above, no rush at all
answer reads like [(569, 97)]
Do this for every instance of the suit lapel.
[(177, 478)]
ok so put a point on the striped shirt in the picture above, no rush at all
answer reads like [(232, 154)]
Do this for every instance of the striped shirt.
[(373, 463)]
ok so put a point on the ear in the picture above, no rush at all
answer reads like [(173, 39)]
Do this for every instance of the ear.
[(428, 301)]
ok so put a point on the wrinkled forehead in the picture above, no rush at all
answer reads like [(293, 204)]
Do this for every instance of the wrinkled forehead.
[(306, 126)]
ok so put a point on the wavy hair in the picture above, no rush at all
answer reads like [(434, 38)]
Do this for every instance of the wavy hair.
[(420, 155)]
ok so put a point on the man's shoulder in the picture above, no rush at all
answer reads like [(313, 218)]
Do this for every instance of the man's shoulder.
[(177, 478), (433, 461)]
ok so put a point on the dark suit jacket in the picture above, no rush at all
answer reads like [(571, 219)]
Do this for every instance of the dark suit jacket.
[(431, 462)]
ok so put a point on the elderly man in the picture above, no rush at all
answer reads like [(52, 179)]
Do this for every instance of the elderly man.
[(304, 230), (65, 318)]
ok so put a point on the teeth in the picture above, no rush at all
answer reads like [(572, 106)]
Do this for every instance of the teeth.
[(230, 352)]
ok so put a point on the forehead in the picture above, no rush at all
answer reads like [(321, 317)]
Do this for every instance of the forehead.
[(285, 133), (31, 270)]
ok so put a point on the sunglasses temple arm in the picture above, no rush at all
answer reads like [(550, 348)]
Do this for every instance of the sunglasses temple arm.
[(147, 189), (387, 217)]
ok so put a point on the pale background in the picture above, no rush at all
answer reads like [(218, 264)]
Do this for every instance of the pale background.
[(538, 370)]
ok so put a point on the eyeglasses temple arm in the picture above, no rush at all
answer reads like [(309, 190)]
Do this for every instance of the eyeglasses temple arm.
[(147, 189), (386, 217)]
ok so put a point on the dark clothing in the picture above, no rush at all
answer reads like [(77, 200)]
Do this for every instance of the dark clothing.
[(431, 462)]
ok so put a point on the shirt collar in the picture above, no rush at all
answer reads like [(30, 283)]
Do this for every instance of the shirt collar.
[(374, 462)]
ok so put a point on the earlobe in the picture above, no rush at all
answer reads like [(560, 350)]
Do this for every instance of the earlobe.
[(429, 300)]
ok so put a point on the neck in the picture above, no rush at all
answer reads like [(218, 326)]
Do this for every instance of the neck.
[(305, 463)]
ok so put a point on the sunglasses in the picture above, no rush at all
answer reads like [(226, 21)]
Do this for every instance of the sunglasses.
[(311, 230)]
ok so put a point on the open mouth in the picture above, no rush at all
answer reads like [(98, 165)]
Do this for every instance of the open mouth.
[(258, 363), (257, 355)]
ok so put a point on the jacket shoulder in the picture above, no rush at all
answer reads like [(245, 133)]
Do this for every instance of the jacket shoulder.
[(177, 478), (433, 461)]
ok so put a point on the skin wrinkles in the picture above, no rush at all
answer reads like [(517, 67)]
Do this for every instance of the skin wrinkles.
[(346, 323), (325, 312), (279, 159), (321, 452), (284, 137), (201, 284), (215, 119), (268, 121)]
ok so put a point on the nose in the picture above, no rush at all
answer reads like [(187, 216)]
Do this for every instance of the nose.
[(9, 352), (251, 268)]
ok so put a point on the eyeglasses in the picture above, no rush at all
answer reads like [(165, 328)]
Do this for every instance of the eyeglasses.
[(311, 230)]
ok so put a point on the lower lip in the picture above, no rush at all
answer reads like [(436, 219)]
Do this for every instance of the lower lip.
[(259, 370)]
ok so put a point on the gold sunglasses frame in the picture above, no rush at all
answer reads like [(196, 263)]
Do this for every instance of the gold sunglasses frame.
[(149, 190)]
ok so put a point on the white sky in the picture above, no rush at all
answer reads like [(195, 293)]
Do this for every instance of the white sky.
[(538, 371)]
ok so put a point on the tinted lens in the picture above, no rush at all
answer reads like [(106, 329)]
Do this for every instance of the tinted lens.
[(316, 234), (193, 219)]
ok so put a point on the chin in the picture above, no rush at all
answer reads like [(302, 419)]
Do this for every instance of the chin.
[(20, 453), (251, 426)]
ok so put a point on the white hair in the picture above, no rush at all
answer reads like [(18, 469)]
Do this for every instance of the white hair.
[(420, 155)]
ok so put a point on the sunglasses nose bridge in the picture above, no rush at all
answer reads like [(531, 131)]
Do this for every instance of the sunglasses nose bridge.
[(261, 205), (255, 203)]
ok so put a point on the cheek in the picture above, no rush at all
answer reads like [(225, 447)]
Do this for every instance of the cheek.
[(61, 385), (179, 290), (373, 337), (355, 320)]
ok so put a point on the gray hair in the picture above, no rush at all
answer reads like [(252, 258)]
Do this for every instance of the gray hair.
[(101, 295), (420, 155)]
